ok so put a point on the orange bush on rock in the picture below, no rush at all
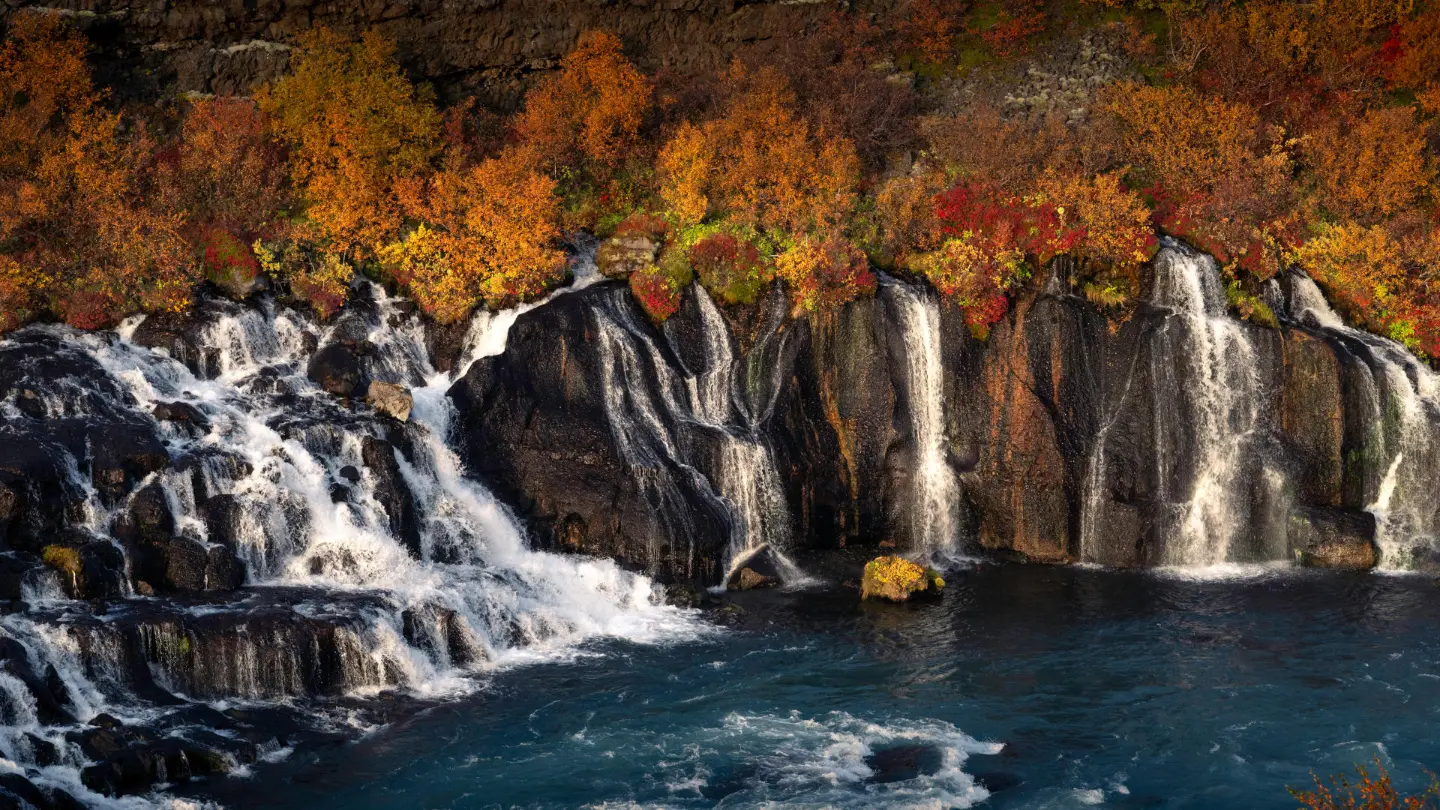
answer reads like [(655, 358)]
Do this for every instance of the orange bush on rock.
[(82, 238), (1370, 166), (824, 275)]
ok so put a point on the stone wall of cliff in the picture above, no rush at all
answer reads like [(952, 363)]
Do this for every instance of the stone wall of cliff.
[(490, 48)]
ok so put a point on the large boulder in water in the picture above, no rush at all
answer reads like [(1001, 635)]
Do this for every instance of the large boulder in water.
[(1333, 538), (896, 579), (337, 369), (89, 567), (757, 569)]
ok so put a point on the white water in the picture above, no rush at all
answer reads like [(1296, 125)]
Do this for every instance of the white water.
[(1401, 440), (1222, 402), (476, 588), (650, 407), (934, 490)]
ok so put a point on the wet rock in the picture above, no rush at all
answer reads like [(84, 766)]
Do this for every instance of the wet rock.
[(533, 426), (390, 399), (181, 335), (21, 788), (758, 569), (44, 751), (146, 518), (1333, 538), (122, 455), (17, 572), (392, 492), (180, 412), (896, 579), (684, 595), (49, 707), (445, 342), (90, 568), (337, 370), (903, 763), (350, 473), (621, 255)]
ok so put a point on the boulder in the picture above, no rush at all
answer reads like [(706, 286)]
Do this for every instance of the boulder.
[(90, 568), (337, 369), (392, 492), (897, 579), (1332, 538), (757, 569), (180, 412), (619, 256), (122, 455), (391, 399)]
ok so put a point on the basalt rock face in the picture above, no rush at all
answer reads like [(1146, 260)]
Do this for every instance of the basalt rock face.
[(492, 46), (1172, 434), (538, 428)]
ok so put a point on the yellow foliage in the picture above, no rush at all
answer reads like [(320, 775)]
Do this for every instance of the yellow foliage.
[(1361, 268), (683, 168), (357, 129), (491, 236)]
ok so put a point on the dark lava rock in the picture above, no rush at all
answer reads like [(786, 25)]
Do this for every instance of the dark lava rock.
[(759, 569), (180, 412), (904, 762), (1333, 538), (49, 706), (89, 567), (392, 492), (337, 369)]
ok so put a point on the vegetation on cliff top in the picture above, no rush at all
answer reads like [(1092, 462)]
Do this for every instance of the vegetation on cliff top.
[(964, 142)]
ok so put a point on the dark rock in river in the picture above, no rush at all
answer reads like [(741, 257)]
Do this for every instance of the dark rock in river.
[(337, 369)]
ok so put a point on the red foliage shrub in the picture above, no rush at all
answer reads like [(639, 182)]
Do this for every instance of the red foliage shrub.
[(729, 267)]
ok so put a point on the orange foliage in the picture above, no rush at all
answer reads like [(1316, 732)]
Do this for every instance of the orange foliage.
[(1370, 166), (905, 210), (1361, 268), (930, 27), (591, 110), (762, 162), (1114, 223), (357, 131), (82, 239), (488, 237)]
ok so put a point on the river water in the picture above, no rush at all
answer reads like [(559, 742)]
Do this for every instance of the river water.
[(1025, 687)]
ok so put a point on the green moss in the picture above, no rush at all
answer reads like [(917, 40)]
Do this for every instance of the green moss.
[(64, 558), (896, 579)]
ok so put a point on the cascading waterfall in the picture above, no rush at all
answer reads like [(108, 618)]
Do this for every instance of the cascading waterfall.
[(935, 490), (650, 407), (297, 470), (1402, 424), (1208, 359)]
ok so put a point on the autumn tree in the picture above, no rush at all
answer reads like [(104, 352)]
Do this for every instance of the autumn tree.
[(357, 131), (1370, 165), (82, 236), (487, 236), (590, 111), (760, 163)]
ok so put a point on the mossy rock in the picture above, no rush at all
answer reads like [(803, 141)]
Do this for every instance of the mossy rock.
[(897, 579), (62, 558)]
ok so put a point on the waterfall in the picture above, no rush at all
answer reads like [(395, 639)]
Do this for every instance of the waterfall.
[(934, 501), (1208, 360), (1402, 400), (656, 414), (337, 601)]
